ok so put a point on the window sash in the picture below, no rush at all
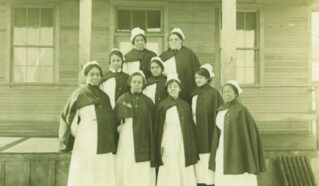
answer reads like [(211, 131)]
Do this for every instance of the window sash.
[(146, 11), (38, 67)]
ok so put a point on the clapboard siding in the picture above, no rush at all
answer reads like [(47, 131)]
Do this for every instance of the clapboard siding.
[(286, 44), (69, 41), (33, 103), (2, 41)]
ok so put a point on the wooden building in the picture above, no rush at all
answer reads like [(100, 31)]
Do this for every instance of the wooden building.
[(264, 44)]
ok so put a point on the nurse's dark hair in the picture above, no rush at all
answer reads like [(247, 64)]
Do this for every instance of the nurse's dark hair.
[(139, 35), (172, 81), (133, 75), (117, 53), (203, 72), (89, 68), (233, 87), (157, 62)]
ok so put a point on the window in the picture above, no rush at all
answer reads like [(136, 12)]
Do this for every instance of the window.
[(246, 47), (149, 20), (33, 45)]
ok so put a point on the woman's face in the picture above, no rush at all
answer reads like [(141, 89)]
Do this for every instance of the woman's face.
[(228, 93), (174, 42), (200, 80), (116, 62), (139, 42), (94, 76), (173, 89), (136, 83), (156, 69)]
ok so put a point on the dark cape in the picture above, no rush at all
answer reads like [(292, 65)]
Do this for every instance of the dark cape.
[(143, 56), (161, 92), (141, 108), (107, 135), (121, 81), (187, 126), (242, 144), (208, 100), (187, 64)]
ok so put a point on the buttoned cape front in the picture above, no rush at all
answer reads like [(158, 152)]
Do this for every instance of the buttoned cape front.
[(187, 126), (121, 79), (242, 144), (143, 56), (141, 108), (208, 100), (187, 64), (106, 131)]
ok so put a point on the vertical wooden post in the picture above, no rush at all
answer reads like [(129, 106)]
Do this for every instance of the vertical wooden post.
[(317, 113), (228, 40), (85, 34)]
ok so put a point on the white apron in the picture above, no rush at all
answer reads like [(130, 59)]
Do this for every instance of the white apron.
[(109, 87), (128, 172), (228, 180), (203, 174), (87, 167), (174, 172), (150, 91)]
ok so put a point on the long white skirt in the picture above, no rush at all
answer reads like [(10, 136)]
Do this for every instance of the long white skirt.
[(87, 167), (222, 179), (128, 172), (174, 172)]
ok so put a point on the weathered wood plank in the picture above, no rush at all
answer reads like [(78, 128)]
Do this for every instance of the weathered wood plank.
[(42, 173), (62, 171), (14, 168)]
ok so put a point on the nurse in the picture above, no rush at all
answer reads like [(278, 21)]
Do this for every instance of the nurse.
[(205, 101), (135, 113), (138, 58), (176, 152), (155, 85), (114, 83), (88, 129), (237, 153)]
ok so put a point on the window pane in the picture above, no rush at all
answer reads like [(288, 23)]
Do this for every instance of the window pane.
[(240, 58), (46, 36), (33, 74), (20, 17), (33, 36), (153, 21), (19, 36), (46, 57), (139, 19), (240, 75), (19, 74), (250, 20), (249, 75), (19, 26), (240, 38), (124, 20), (33, 57), (249, 58), (46, 74), (19, 57), (46, 17), (250, 40), (33, 17), (240, 21)]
